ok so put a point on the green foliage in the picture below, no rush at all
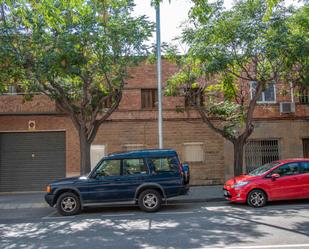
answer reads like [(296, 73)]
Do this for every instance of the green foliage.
[(71, 50), (230, 48)]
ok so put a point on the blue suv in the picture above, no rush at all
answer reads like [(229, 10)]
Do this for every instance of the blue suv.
[(144, 177)]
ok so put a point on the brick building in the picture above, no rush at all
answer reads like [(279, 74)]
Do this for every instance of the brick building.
[(38, 143)]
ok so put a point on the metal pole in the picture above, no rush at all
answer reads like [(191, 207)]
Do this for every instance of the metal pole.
[(159, 75)]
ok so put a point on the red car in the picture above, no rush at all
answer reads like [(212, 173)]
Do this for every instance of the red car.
[(279, 180)]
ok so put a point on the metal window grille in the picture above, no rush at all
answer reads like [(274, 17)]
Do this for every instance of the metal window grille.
[(259, 152)]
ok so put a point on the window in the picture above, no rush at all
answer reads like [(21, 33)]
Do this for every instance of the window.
[(305, 167), (161, 165), (96, 154), (287, 169), (267, 96), (13, 90), (194, 152), (134, 166), (107, 103), (129, 147), (260, 152), (109, 168), (149, 98), (304, 96), (194, 97)]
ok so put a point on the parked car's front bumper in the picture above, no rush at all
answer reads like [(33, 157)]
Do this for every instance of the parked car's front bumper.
[(49, 198), (234, 194)]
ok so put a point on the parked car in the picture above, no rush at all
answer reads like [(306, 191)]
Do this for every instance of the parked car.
[(146, 177), (279, 180)]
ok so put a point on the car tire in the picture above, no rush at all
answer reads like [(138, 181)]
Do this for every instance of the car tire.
[(150, 200), (256, 198), (68, 204)]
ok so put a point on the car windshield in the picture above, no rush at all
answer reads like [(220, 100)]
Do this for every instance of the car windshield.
[(264, 168)]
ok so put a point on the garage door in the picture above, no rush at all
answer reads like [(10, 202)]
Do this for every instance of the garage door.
[(28, 161)]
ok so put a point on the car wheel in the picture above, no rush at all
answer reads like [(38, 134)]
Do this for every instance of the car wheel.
[(68, 204), (257, 198), (150, 200)]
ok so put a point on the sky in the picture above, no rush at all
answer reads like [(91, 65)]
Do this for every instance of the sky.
[(172, 15)]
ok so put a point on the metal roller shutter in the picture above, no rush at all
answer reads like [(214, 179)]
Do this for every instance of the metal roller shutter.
[(28, 161)]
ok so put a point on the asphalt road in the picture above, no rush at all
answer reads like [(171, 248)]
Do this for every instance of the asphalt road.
[(213, 225)]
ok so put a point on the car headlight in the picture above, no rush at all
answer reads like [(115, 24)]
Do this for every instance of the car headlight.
[(240, 184)]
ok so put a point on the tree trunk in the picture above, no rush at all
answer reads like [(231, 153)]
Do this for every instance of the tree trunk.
[(238, 156), (84, 154)]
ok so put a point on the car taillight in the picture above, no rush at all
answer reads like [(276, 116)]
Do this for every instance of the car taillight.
[(48, 189), (180, 169)]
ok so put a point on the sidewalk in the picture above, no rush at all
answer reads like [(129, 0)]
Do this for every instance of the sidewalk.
[(36, 200)]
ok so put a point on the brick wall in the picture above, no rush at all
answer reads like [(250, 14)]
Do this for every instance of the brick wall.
[(116, 134), (48, 123)]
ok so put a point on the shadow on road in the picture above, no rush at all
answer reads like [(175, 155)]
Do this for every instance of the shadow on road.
[(185, 226)]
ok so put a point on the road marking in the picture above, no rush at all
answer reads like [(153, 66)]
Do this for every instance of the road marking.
[(58, 217), (116, 215), (164, 213), (261, 246)]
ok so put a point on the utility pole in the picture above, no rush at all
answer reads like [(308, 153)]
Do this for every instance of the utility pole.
[(159, 75)]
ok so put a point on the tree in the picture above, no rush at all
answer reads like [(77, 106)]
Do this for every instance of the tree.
[(77, 52), (229, 50)]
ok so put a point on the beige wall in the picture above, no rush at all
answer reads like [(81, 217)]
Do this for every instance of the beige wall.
[(289, 132)]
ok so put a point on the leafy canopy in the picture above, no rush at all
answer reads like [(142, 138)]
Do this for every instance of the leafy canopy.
[(227, 50), (62, 47)]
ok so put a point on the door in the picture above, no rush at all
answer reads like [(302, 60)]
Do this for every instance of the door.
[(105, 184), (288, 185), (305, 178), (165, 171), (31, 160), (306, 147), (135, 173)]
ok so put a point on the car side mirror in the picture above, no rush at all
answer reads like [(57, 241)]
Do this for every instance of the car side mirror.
[(275, 176), (94, 175)]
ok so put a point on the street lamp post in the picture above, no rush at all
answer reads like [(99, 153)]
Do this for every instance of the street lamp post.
[(159, 75)]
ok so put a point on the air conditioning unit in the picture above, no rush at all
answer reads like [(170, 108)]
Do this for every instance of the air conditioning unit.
[(287, 107)]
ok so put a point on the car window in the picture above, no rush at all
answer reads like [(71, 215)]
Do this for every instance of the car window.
[(166, 164), (287, 169), (263, 169), (109, 168), (305, 167), (134, 166)]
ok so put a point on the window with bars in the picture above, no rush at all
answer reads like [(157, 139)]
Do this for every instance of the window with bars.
[(304, 96), (259, 152), (149, 98)]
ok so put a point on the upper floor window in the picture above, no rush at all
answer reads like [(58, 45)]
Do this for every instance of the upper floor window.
[(149, 98), (267, 96), (194, 97), (13, 90), (304, 95)]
